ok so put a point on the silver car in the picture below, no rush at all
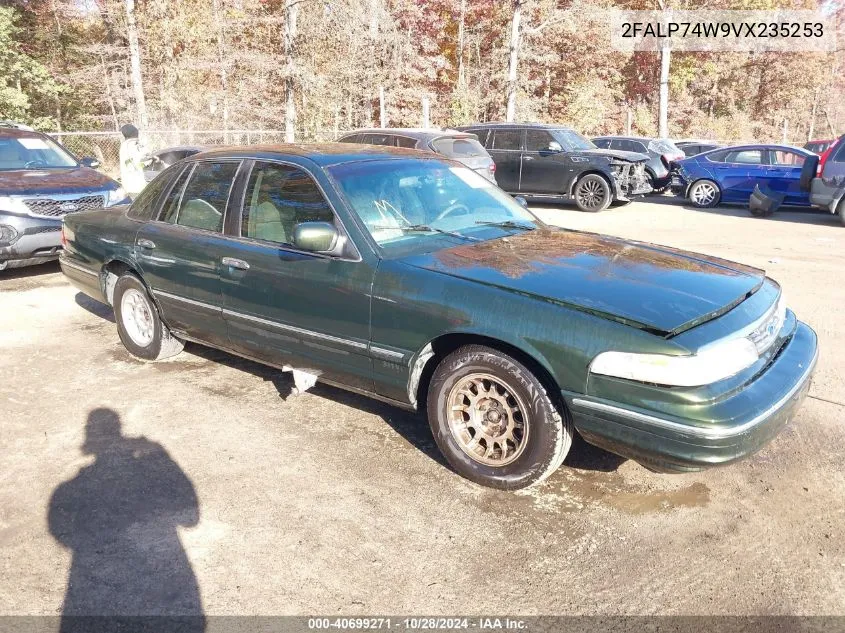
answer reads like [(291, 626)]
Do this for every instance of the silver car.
[(460, 146)]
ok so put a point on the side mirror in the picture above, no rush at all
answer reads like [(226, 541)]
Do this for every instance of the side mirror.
[(554, 146), (90, 161), (317, 237), (521, 202)]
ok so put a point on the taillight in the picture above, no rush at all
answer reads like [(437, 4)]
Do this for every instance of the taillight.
[(823, 158), (63, 239)]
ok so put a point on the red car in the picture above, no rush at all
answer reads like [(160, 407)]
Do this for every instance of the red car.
[(823, 149)]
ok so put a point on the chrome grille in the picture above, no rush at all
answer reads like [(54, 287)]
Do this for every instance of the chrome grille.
[(49, 208)]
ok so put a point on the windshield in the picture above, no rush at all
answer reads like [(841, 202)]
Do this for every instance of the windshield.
[(413, 205), (570, 140), (32, 152)]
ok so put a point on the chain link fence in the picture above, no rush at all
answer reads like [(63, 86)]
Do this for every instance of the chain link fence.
[(105, 146)]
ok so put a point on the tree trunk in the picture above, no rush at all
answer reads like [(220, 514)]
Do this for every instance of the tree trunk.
[(291, 11), (663, 114), (513, 60), (221, 60), (135, 64), (812, 127), (461, 41)]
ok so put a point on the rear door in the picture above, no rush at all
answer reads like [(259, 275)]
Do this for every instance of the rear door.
[(307, 310), (783, 175), (180, 251), (544, 171), (505, 147)]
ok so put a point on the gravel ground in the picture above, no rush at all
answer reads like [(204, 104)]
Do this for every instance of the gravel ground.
[(203, 485)]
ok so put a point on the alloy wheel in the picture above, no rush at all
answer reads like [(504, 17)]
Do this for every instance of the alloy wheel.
[(487, 419), (704, 194), (591, 194)]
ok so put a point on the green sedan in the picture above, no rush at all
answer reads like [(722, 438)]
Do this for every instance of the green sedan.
[(412, 279)]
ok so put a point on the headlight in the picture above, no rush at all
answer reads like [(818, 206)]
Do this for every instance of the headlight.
[(115, 196), (8, 234), (711, 364)]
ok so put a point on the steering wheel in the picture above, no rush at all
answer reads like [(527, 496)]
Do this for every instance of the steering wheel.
[(33, 163), (453, 209)]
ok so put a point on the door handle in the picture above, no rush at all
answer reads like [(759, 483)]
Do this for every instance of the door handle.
[(527, 158), (144, 243), (231, 262)]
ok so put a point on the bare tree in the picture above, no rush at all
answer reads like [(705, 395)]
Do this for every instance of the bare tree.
[(513, 59), (663, 106), (291, 15), (135, 64)]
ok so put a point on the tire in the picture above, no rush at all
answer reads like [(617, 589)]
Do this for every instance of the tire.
[(840, 210), (654, 188), (697, 191), (138, 323), (808, 172), (592, 193), (525, 455)]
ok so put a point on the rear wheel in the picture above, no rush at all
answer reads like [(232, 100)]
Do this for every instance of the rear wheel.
[(592, 193), (138, 323), (704, 194), (494, 421)]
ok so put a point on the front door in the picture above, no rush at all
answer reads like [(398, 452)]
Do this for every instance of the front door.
[(505, 147), (179, 253), (739, 173), (544, 170), (287, 306)]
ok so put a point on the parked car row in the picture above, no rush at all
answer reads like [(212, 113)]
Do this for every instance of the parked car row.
[(413, 279)]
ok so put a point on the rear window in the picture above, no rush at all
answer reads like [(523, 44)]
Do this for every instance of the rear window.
[(458, 147), (145, 205), (663, 146)]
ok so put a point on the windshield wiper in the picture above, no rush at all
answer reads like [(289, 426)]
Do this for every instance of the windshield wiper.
[(425, 228), (510, 224)]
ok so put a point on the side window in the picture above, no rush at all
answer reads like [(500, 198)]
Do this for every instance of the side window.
[(745, 157), (278, 197), (351, 138), (717, 157), (601, 143), (839, 154), (376, 139), (637, 146), (616, 143), (404, 141), (507, 139), (203, 201), (144, 206), (785, 158), (482, 134), (537, 140)]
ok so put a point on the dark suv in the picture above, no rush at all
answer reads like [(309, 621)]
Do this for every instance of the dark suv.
[(549, 162), (40, 182)]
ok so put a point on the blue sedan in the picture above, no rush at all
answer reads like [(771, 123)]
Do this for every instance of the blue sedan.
[(729, 174)]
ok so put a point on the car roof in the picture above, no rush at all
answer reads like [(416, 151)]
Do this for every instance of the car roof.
[(14, 132), (770, 146), (322, 154), (493, 124), (181, 148), (419, 133), (629, 138)]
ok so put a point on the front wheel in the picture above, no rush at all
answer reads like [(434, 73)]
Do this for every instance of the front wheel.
[(493, 420), (592, 193), (704, 194), (138, 323)]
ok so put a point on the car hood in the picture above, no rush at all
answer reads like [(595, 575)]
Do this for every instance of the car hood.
[(633, 157), (32, 182), (654, 288)]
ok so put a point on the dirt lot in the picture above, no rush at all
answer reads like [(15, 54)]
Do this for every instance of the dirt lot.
[(246, 499)]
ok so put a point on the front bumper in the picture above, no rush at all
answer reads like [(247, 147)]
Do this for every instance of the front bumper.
[(629, 182), (748, 419), (37, 240)]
